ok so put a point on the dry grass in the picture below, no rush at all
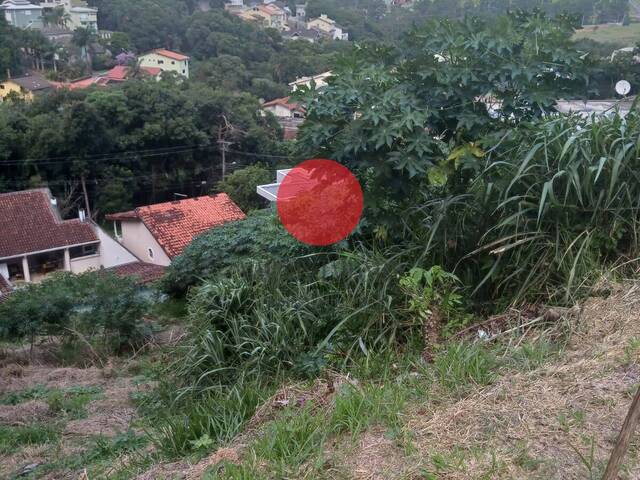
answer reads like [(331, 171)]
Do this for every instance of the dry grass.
[(529, 425)]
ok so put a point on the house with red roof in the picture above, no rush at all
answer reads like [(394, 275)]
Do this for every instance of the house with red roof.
[(158, 233), (290, 115), (35, 241), (166, 60)]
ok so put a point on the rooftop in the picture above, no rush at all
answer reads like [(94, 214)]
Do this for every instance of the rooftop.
[(284, 102), (30, 223), (174, 225), (169, 54), (32, 83), (143, 273)]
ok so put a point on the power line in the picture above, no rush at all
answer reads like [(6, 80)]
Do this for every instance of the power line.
[(133, 155)]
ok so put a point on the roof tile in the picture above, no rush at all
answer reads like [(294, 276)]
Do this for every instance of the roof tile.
[(30, 224), (174, 225)]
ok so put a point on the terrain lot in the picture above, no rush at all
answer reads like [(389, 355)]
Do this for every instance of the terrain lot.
[(623, 35), (547, 413)]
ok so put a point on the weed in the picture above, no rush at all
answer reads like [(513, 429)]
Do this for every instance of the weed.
[(205, 422), (358, 408), (631, 351), (12, 438), (72, 401), (34, 393), (463, 364), (229, 471), (292, 439)]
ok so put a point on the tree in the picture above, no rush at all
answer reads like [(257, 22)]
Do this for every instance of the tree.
[(241, 186), (83, 38), (394, 113)]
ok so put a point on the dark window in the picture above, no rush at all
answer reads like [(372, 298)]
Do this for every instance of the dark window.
[(83, 251), (160, 62)]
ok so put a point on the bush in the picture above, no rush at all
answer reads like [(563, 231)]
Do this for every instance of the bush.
[(241, 186), (92, 304), (555, 203), (258, 239)]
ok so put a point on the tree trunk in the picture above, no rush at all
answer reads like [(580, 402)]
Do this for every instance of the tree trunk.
[(431, 334)]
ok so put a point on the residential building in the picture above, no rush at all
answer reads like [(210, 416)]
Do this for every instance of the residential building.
[(290, 115), (319, 81), (158, 233), (25, 88), (298, 31), (328, 27), (35, 241), (271, 16), (79, 14), (166, 60), (284, 108), (234, 6), (270, 191), (22, 14), (83, 17)]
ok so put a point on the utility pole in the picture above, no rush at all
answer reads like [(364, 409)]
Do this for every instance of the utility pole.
[(86, 196), (224, 145)]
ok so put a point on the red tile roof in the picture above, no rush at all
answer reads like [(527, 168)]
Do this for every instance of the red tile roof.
[(169, 54), (142, 272), (284, 102), (153, 71), (118, 73), (31, 224), (174, 225)]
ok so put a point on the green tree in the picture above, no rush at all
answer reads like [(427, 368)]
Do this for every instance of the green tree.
[(241, 186), (394, 113)]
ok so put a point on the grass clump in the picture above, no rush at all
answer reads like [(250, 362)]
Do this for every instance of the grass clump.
[(464, 364), (201, 423), (16, 437), (292, 439), (37, 392)]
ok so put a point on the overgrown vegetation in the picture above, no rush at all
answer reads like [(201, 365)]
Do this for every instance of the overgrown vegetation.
[(91, 307)]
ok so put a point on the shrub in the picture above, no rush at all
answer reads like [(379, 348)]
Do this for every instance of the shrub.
[(241, 186), (91, 304), (260, 238), (552, 205)]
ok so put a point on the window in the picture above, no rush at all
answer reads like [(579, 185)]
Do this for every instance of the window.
[(172, 62), (150, 252), (83, 251), (160, 62)]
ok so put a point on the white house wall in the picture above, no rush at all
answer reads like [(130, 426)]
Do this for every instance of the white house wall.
[(82, 264), (138, 239), (112, 254)]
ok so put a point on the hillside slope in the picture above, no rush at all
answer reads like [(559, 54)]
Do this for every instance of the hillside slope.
[(556, 418)]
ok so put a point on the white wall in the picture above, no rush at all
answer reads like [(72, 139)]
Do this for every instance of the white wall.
[(139, 240), (4, 270), (111, 252), (165, 64), (82, 264), (279, 111)]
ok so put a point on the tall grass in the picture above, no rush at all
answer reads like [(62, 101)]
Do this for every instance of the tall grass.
[(553, 204)]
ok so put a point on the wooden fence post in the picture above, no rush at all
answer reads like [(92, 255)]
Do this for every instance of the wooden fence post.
[(622, 443)]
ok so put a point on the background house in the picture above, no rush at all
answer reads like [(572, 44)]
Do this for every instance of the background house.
[(24, 87), (319, 81), (22, 14), (35, 241), (158, 233), (328, 27), (284, 108), (166, 60)]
